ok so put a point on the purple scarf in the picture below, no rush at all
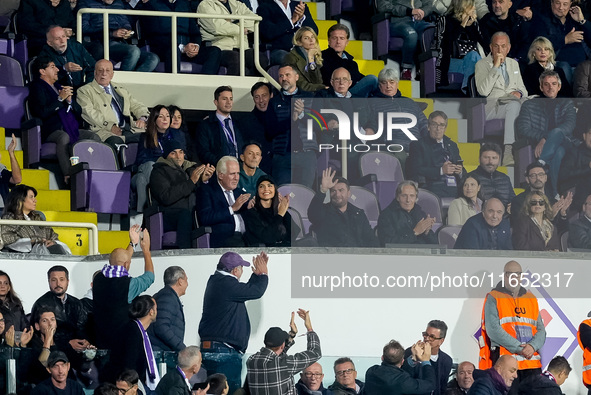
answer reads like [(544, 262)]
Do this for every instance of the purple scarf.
[(114, 271)]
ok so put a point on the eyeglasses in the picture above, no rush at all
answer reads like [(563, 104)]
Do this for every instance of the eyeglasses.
[(123, 391), (339, 80), (438, 125), (537, 175), (344, 372), (432, 337), (537, 203), (2, 320), (309, 375)]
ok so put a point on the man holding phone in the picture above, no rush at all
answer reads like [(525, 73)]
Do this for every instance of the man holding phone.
[(120, 30), (434, 161)]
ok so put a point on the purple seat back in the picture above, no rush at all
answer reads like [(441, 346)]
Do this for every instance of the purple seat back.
[(155, 225), (447, 235), (11, 72), (525, 156), (12, 106), (6, 46), (385, 166), (108, 191), (297, 219), (368, 202), (128, 154), (21, 53), (99, 156), (431, 204), (300, 197)]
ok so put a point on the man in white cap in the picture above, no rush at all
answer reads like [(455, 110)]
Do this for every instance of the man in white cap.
[(225, 327)]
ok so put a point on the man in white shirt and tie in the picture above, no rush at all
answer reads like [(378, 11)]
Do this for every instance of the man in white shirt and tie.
[(220, 203), (109, 109)]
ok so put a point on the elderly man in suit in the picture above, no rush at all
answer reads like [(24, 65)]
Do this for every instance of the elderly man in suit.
[(108, 108), (219, 205), (499, 79)]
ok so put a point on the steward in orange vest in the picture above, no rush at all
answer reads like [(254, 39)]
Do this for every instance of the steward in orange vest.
[(584, 336), (511, 323)]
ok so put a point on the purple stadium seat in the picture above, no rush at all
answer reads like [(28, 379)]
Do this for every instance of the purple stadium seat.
[(128, 153), (481, 128), (12, 106), (11, 72), (297, 219), (300, 197), (523, 157), (388, 173), (367, 201), (431, 205), (97, 183), (448, 234)]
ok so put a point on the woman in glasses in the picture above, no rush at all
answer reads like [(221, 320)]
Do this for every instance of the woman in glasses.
[(533, 230)]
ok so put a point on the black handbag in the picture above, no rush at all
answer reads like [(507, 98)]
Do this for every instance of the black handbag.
[(463, 45)]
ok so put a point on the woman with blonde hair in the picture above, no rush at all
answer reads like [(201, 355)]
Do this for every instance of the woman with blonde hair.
[(533, 230), (541, 57), (306, 57)]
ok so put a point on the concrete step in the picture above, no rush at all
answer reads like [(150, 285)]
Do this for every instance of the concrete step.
[(470, 153), (317, 10), (5, 160), (75, 238), (368, 67), (323, 28), (55, 200), (111, 239), (38, 179)]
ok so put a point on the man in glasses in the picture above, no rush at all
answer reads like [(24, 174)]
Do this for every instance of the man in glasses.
[(434, 335), (434, 161), (512, 325), (536, 177), (346, 382), (311, 381)]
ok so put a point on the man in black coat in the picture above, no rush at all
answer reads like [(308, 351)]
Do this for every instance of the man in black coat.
[(74, 62), (579, 231), (168, 332), (434, 161), (390, 378), (219, 134), (176, 380), (441, 362), (505, 18), (493, 183), (277, 30), (498, 379), (173, 182), (575, 170), (58, 366), (158, 34), (487, 230), (549, 382), (219, 204), (404, 221), (339, 223)]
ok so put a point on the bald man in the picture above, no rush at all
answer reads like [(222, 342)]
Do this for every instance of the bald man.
[(463, 381), (498, 379), (311, 381), (114, 289), (512, 325)]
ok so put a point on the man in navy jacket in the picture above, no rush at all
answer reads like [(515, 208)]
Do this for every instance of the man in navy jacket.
[(225, 327), (487, 230)]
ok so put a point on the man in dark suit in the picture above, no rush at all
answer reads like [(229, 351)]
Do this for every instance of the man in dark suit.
[(219, 205), (434, 335), (168, 332), (176, 380), (55, 106), (219, 134), (277, 30)]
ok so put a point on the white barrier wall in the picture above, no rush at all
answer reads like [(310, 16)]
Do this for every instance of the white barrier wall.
[(346, 326)]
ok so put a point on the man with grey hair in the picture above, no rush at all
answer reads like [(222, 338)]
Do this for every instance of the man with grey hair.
[(173, 182), (388, 89), (548, 125), (404, 221), (434, 161), (487, 230), (219, 205), (168, 332), (176, 381), (498, 78)]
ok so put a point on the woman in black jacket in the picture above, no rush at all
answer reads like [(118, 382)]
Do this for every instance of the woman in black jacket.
[(268, 221), (542, 57), (533, 230)]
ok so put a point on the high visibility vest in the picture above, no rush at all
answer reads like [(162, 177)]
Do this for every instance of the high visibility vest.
[(586, 356), (518, 317)]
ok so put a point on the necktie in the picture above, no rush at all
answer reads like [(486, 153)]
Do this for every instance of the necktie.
[(230, 136), (115, 106), (505, 74), (237, 217)]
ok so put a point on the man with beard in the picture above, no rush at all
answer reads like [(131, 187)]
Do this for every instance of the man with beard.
[(69, 314), (493, 183), (498, 379), (339, 223)]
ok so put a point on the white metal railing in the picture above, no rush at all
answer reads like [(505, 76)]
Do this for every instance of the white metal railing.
[(174, 16), (92, 229)]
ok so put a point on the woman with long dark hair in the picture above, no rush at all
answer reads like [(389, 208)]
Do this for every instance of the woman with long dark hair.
[(468, 204), (11, 306), (268, 221), (150, 149), (21, 204)]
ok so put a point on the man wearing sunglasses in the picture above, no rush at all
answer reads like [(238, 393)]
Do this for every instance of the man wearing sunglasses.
[(512, 325), (441, 362)]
